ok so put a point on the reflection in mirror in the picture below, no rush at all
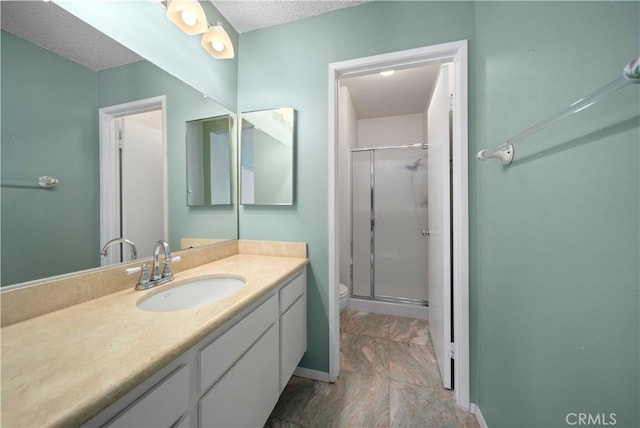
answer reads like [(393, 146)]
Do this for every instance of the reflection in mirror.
[(266, 157), (209, 171), (50, 127)]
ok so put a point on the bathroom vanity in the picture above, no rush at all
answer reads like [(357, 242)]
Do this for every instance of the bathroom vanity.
[(107, 363)]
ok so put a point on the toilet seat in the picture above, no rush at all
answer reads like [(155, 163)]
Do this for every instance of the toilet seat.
[(343, 290)]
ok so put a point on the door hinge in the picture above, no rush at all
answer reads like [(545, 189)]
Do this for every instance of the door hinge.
[(452, 350), (450, 102), (120, 139)]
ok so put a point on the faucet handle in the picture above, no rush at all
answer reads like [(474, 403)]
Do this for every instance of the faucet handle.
[(166, 272), (144, 275), (143, 282)]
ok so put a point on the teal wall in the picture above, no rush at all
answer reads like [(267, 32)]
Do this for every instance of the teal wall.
[(557, 233), (554, 249), (142, 80), (47, 130)]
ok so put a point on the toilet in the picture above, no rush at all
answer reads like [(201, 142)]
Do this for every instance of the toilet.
[(344, 297)]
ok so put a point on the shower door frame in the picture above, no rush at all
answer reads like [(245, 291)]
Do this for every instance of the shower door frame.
[(456, 52), (372, 226)]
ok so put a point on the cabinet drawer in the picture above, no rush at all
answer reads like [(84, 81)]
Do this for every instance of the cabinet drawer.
[(293, 339), (216, 358), (161, 407), (246, 394), (292, 291)]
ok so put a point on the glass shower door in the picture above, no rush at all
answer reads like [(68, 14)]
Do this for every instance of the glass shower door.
[(400, 213), (388, 224)]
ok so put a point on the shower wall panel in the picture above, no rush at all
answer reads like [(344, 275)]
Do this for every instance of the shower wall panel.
[(361, 223)]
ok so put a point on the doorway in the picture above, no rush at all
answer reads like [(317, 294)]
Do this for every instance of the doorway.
[(455, 53), (133, 177)]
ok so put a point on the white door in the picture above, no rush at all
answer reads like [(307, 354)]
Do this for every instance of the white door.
[(132, 176), (439, 211), (142, 175)]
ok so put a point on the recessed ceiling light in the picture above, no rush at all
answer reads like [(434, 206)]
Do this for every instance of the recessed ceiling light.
[(387, 73)]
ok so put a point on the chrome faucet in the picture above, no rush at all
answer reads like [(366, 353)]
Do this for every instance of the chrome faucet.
[(134, 250), (158, 276)]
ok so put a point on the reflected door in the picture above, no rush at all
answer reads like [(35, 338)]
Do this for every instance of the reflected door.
[(142, 181)]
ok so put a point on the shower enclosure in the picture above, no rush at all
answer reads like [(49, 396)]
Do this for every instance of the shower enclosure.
[(389, 224)]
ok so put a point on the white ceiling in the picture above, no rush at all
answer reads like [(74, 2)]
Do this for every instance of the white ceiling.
[(248, 15), (406, 91), (52, 28)]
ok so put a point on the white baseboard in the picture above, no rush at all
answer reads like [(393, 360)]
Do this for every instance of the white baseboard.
[(311, 374), (475, 409), (386, 308)]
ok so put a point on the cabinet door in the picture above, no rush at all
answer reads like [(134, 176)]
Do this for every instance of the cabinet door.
[(219, 356), (293, 338), (246, 394)]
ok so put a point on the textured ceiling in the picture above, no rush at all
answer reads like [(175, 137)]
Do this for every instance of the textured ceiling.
[(407, 91), (54, 29), (248, 15)]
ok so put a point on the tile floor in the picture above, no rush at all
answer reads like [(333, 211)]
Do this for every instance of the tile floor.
[(388, 378)]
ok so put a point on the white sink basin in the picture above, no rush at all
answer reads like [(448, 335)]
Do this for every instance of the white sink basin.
[(190, 294)]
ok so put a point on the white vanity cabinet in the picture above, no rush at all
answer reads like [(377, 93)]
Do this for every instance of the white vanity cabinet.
[(232, 378)]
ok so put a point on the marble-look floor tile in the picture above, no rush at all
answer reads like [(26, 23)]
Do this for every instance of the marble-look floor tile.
[(365, 324), (277, 423), (419, 406), (355, 400), (414, 364), (409, 330), (389, 377), (365, 355)]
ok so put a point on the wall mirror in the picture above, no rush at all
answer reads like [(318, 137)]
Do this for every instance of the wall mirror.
[(266, 157), (50, 127), (209, 161)]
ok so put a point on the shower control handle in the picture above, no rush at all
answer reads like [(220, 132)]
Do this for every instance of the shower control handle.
[(426, 232)]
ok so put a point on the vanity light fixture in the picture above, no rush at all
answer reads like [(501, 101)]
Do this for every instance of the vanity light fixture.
[(216, 41), (188, 15)]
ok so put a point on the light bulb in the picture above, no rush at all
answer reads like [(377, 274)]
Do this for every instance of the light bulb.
[(217, 45), (188, 17)]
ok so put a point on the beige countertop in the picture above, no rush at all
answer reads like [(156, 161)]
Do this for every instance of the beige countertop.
[(62, 368)]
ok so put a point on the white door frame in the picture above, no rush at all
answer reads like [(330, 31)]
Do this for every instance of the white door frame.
[(455, 52), (109, 165)]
